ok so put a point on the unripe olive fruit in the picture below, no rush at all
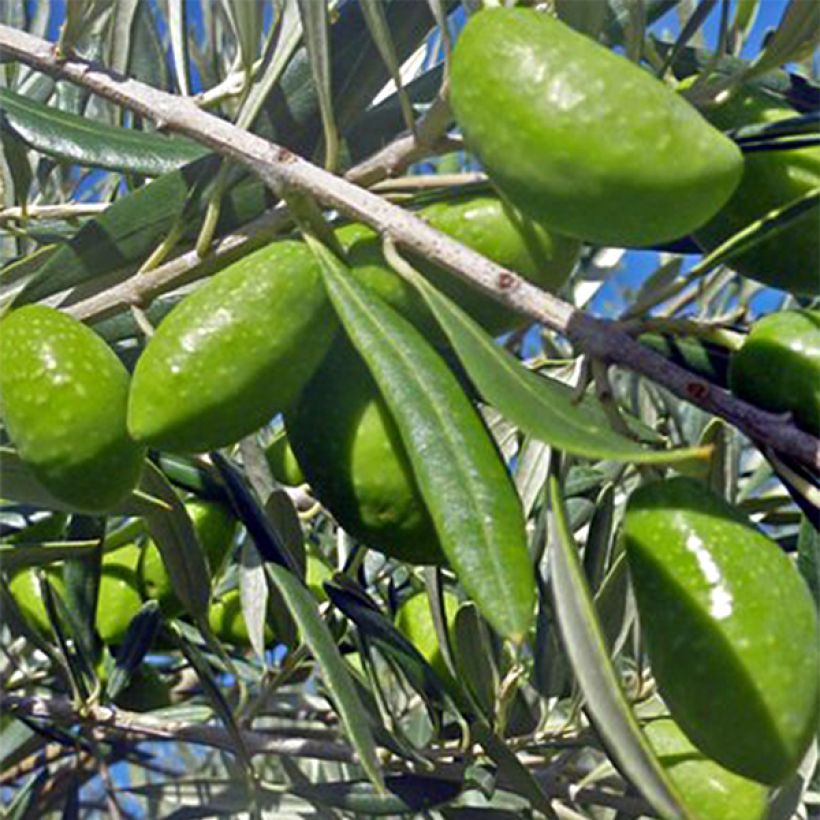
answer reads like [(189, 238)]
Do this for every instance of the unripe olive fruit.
[(316, 573), (778, 367), (63, 398), (415, 621), (709, 791), (234, 353), (119, 597), (282, 462), (351, 453), (483, 223), (227, 622), (790, 259), (25, 590), (582, 139), (215, 528), (730, 628)]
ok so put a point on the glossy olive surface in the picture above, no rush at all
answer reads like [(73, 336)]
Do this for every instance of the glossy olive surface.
[(790, 259), (730, 628), (233, 353), (778, 367), (282, 462), (415, 621), (63, 398), (483, 223), (350, 451), (580, 138), (25, 590), (709, 791), (119, 597)]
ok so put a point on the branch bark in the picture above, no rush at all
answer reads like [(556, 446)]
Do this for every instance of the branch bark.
[(110, 722), (283, 170)]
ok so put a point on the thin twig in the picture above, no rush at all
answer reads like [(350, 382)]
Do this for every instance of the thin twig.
[(282, 170)]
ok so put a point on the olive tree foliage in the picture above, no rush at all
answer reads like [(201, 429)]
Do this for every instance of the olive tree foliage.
[(325, 707)]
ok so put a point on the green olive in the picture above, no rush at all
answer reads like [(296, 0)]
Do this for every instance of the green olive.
[(415, 621), (582, 139), (351, 453), (228, 624), (215, 528), (709, 791), (282, 462), (730, 628), (63, 397), (234, 353), (119, 597), (484, 224), (316, 573), (771, 179), (25, 590), (778, 367)]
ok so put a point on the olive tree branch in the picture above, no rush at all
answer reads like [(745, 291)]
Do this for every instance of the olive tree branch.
[(282, 170), (105, 722)]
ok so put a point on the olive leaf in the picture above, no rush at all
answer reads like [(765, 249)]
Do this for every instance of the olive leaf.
[(464, 483), (542, 407), (173, 532), (403, 794), (594, 671), (71, 138), (318, 638)]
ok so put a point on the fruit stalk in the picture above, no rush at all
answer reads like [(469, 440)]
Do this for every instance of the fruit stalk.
[(281, 169)]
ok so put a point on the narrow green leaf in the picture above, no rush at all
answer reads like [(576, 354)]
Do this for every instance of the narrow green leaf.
[(253, 596), (471, 498), (376, 20), (540, 406), (246, 17), (692, 25), (182, 554), (138, 640), (178, 30), (473, 657), (808, 558), (599, 537), (765, 228), (16, 158), (605, 699), (288, 38), (316, 26), (318, 638), (214, 693), (72, 138), (797, 34), (18, 556), (511, 769), (412, 794)]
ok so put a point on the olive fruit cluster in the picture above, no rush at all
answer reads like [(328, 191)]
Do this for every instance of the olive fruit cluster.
[(130, 574), (242, 347)]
